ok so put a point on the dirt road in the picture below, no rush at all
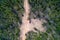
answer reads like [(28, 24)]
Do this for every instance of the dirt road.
[(26, 26)]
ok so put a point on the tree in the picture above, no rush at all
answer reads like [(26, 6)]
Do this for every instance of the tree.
[(50, 10), (9, 19)]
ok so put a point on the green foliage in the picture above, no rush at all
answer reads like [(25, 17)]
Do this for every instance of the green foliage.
[(51, 12), (9, 20)]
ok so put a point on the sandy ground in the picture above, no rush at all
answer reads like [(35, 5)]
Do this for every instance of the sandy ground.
[(26, 26)]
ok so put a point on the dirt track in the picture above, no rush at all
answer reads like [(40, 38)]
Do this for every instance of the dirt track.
[(26, 26)]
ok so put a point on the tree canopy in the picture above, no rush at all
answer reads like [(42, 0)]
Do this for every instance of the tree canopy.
[(9, 10)]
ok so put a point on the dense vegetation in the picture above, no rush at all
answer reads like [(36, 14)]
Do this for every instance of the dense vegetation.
[(9, 18), (51, 13)]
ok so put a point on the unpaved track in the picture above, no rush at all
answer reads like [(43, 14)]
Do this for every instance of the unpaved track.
[(25, 23), (26, 26)]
